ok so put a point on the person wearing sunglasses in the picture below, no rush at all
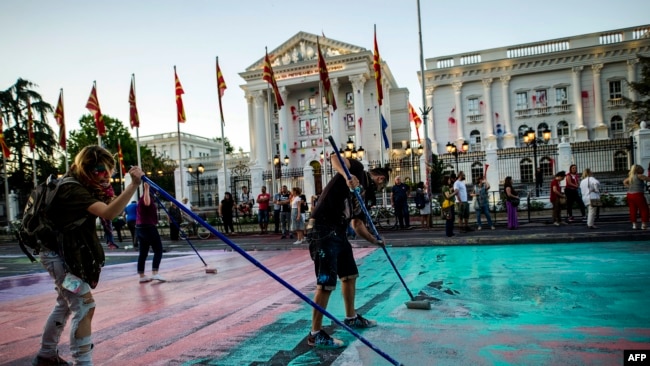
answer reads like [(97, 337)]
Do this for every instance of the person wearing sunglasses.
[(76, 266)]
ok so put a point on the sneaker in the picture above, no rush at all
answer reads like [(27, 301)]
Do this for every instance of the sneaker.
[(323, 340), (113, 246), (158, 277), (633, 226), (479, 228), (297, 242), (51, 361), (145, 279), (644, 227), (283, 237), (493, 228), (290, 236), (556, 223), (360, 322)]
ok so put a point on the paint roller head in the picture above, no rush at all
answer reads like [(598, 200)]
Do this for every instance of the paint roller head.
[(211, 270), (420, 305)]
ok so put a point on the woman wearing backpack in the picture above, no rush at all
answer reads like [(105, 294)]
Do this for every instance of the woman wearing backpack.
[(75, 268)]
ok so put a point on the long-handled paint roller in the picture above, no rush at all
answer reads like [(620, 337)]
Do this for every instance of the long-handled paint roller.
[(184, 235), (415, 303), (259, 265)]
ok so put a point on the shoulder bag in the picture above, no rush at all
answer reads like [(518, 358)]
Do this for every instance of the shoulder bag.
[(594, 202)]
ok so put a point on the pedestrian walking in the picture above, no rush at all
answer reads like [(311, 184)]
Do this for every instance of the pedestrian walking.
[(146, 228), (512, 202), (636, 186), (399, 200)]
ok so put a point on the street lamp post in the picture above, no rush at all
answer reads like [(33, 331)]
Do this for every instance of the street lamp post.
[(199, 170), (413, 154), (530, 138), (452, 149)]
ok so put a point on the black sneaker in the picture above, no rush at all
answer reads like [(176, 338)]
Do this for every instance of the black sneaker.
[(323, 340), (360, 322), (50, 361)]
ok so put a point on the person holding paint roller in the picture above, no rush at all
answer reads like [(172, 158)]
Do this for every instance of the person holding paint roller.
[(148, 236), (330, 249)]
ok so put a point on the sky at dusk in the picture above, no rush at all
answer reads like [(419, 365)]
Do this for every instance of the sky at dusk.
[(70, 44)]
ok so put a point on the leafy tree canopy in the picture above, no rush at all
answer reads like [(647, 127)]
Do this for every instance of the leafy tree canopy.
[(640, 108)]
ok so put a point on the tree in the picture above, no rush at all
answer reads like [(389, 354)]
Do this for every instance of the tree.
[(13, 106), (229, 148), (437, 167), (153, 165), (640, 108)]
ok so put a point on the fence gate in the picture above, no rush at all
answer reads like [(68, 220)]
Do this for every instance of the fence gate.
[(240, 176)]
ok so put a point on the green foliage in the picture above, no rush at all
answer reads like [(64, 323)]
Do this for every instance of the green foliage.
[(14, 103), (536, 206), (640, 108)]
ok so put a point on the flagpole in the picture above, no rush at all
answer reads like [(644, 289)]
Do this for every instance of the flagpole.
[(322, 133), (99, 137), (270, 139), (6, 174), (137, 129), (65, 149), (223, 138), (180, 150), (425, 111)]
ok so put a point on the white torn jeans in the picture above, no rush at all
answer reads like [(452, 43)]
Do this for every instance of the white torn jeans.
[(67, 303)]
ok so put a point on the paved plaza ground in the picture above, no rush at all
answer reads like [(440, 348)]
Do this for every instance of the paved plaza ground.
[(539, 295)]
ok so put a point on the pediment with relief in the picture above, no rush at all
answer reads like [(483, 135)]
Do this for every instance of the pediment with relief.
[(302, 47)]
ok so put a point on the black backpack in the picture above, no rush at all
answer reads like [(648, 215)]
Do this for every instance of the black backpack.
[(420, 200), (37, 231)]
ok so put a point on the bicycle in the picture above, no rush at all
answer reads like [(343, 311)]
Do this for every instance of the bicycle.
[(194, 228), (383, 217)]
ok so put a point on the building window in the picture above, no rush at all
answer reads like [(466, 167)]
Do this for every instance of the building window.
[(303, 144), (521, 132), (472, 106), (349, 99), (540, 130), (522, 100), (475, 141), (617, 127), (615, 89), (546, 166), (562, 130), (314, 126), (326, 124), (561, 96), (313, 142), (301, 105), (526, 169), (304, 127), (540, 98), (349, 121), (324, 102), (477, 172), (276, 130), (620, 161), (312, 103)]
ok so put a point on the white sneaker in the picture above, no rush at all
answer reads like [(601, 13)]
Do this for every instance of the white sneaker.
[(493, 228), (633, 226), (297, 242), (479, 228), (145, 279), (158, 277)]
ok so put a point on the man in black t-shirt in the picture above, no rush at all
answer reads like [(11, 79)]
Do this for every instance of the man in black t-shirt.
[(330, 249), (285, 211)]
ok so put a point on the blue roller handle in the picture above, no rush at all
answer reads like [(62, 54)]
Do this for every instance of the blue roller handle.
[(259, 265), (368, 218)]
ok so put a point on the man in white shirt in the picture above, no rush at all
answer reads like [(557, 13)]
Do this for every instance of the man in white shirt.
[(463, 204)]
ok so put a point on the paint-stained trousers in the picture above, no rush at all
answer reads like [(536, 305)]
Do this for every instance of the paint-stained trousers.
[(78, 305)]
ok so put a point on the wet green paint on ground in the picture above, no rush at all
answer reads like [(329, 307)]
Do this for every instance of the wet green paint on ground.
[(504, 305)]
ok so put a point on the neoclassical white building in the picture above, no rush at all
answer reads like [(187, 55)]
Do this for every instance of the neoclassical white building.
[(573, 86), (299, 130)]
